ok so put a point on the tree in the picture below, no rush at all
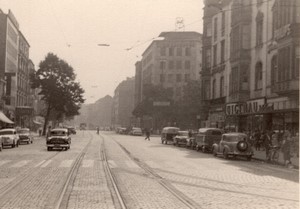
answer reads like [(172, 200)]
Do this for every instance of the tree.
[(62, 95)]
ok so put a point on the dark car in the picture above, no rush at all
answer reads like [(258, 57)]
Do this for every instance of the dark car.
[(168, 133), (233, 144), (72, 130), (58, 138), (24, 135), (206, 137)]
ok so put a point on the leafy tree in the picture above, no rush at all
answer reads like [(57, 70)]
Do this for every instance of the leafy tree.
[(61, 94)]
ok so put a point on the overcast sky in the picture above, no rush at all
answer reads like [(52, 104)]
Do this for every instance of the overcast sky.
[(72, 29)]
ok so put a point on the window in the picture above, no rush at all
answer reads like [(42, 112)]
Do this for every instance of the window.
[(215, 29), (215, 55), (186, 77), (178, 65), (258, 76), (223, 23), (178, 77), (259, 29), (171, 65), (282, 13), (170, 78), (284, 64), (187, 65), (235, 39), (222, 86), (171, 51), (214, 89), (208, 29), (162, 65), (222, 51), (274, 70), (163, 51), (208, 58), (234, 80), (179, 51), (187, 51), (162, 78)]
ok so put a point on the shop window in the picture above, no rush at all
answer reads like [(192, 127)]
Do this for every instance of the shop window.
[(258, 76)]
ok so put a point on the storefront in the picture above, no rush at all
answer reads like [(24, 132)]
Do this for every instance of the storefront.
[(263, 114)]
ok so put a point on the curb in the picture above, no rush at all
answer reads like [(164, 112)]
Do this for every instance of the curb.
[(296, 167)]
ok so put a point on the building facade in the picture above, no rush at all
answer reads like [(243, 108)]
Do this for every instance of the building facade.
[(123, 103), (251, 64)]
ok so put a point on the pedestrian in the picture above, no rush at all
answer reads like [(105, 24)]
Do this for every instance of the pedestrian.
[(147, 134), (40, 131), (266, 139), (257, 140), (286, 148)]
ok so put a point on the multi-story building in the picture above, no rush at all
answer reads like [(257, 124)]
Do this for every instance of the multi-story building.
[(123, 103), (173, 61), (138, 83), (251, 64)]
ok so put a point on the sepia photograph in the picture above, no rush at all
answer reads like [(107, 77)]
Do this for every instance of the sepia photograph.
[(149, 104)]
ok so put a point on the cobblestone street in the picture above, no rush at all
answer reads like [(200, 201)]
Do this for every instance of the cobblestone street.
[(147, 174)]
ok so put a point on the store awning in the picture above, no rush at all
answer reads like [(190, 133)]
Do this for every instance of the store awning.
[(5, 119)]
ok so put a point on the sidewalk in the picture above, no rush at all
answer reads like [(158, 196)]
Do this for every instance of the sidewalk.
[(261, 155)]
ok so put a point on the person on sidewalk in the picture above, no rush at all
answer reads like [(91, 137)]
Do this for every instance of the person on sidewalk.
[(257, 140), (286, 148), (267, 143), (147, 134)]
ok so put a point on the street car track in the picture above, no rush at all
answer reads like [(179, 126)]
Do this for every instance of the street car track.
[(64, 194), (176, 193)]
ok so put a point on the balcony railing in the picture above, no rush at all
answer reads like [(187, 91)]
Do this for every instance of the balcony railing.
[(284, 87)]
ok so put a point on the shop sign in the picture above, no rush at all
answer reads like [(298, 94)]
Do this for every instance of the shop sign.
[(249, 107)]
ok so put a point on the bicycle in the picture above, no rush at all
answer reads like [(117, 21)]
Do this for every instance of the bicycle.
[(273, 155)]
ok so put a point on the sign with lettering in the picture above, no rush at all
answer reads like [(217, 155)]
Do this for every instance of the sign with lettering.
[(249, 107)]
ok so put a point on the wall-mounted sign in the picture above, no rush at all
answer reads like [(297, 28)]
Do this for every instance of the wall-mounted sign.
[(249, 107)]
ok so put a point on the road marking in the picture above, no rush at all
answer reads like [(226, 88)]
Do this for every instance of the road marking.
[(40, 163), (2, 162), (66, 163), (152, 164), (46, 163), (87, 163), (20, 164), (131, 164), (112, 164)]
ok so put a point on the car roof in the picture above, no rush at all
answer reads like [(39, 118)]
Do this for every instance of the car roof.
[(166, 128), (59, 129), (8, 129), (183, 131), (25, 129), (235, 134), (202, 130)]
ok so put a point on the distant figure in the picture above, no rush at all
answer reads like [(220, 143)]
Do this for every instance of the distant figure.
[(147, 134), (40, 131), (97, 130)]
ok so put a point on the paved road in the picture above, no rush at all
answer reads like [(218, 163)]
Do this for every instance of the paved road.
[(148, 175)]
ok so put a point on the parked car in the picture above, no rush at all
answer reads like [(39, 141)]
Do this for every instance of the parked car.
[(135, 131), (233, 144), (191, 140), (168, 133), (71, 130), (122, 131), (24, 135), (9, 137), (206, 137), (59, 138), (180, 138)]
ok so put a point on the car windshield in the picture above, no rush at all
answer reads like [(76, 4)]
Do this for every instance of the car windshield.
[(58, 133), (183, 133), (234, 138), (6, 132), (23, 131)]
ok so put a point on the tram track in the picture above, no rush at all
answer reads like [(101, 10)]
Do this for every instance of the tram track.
[(164, 183)]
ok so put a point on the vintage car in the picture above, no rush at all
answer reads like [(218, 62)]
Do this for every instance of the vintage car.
[(168, 133), (24, 135), (71, 130), (58, 138), (206, 137), (135, 131), (9, 137), (233, 144), (180, 138), (191, 140)]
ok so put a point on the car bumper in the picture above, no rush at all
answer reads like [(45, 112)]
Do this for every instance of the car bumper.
[(240, 153), (58, 145), (24, 140)]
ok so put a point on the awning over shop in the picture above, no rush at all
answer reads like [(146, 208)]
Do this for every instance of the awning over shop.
[(4, 118)]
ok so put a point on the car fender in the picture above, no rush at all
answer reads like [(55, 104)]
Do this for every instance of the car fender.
[(227, 148), (215, 147)]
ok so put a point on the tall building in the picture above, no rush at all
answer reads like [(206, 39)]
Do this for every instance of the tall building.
[(251, 64), (173, 61), (123, 103)]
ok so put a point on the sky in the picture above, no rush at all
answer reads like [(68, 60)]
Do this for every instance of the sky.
[(73, 30)]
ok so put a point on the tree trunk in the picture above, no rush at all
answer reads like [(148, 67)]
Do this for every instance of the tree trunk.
[(46, 119)]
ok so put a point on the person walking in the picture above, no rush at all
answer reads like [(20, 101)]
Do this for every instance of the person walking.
[(147, 134), (286, 148), (257, 140), (267, 143)]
